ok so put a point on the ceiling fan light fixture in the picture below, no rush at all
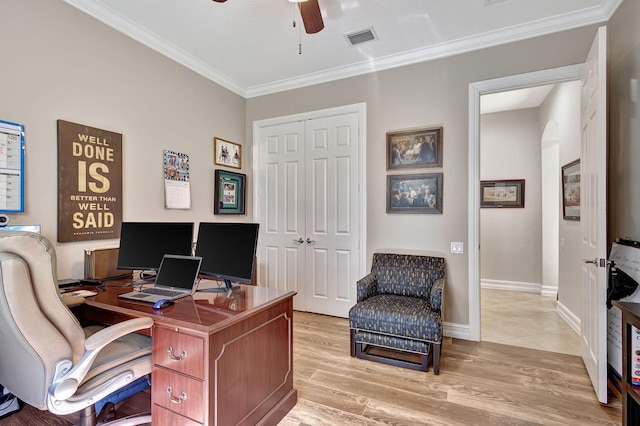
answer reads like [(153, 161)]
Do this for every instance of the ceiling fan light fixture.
[(296, 1)]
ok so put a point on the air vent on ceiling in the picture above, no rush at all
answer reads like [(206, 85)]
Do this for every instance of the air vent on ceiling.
[(362, 36)]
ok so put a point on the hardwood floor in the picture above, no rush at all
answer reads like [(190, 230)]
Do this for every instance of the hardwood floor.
[(480, 383)]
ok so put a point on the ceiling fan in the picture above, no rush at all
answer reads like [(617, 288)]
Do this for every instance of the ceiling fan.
[(310, 13)]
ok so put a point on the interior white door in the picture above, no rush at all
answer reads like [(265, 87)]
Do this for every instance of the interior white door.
[(332, 214), (280, 185), (308, 203), (593, 170)]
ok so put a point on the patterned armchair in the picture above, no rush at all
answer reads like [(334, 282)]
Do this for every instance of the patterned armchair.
[(400, 307)]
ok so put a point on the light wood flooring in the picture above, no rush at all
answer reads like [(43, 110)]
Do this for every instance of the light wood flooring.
[(480, 383), (526, 320)]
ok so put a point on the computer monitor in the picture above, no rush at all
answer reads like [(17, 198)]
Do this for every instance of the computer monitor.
[(228, 251), (143, 244)]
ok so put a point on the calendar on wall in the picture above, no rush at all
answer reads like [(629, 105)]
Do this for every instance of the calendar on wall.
[(11, 167), (177, 190)]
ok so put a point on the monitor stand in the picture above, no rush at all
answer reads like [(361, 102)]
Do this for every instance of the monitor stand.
[(228, 288), (149, 276)]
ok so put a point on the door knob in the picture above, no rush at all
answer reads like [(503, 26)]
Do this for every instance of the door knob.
[(299, 240), (594, 261), (309, 241)]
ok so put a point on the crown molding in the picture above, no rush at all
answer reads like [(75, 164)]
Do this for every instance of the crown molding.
[(124, 25), (590, 16)]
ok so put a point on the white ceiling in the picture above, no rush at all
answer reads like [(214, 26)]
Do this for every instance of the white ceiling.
[(251, 47), (531, 97)]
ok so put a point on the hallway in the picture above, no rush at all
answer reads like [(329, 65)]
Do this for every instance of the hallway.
[(526, 320)]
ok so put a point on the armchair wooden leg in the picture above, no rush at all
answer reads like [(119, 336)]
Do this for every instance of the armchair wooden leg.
[(352, 340), (437, 351)]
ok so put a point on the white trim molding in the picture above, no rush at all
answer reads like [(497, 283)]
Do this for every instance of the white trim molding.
[(573, 321), (511, 286), (476, 89), (456, 331)]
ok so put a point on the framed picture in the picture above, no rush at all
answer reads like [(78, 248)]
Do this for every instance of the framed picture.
[(420, 193), (502, 193), (571, 191), (412, 149), (227, 153), (229, 192)]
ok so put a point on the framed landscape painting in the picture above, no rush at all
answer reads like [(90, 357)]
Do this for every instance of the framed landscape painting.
[(502, 193)]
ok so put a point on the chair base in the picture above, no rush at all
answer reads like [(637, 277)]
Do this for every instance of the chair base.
[(374, 353)]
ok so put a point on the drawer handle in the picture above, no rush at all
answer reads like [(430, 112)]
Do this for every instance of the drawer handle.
[(182, 355), (175, 400)]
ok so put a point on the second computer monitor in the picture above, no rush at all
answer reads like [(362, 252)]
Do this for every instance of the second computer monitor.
[(143, 244), (228, 251)]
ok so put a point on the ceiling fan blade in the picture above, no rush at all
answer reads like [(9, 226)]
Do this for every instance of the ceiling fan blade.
[(220, 1), (311, 16)]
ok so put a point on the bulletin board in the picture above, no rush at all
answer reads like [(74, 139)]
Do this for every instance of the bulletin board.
[(11, 167)]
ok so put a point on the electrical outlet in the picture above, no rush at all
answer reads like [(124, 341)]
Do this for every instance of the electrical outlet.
[(457, 248)]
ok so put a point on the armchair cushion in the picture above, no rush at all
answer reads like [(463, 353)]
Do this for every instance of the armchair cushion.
[(406, 275), (401, 316)]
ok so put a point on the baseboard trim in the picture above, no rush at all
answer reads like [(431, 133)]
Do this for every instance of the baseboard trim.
[(456, 331), (569, 317), (551, 291), (511, 286)]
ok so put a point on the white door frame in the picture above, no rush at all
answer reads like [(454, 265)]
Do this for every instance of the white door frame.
[(476, 89), (361, 109)]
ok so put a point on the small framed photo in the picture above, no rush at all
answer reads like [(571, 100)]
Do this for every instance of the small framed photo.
[(419, 193), (412, 149), (227, 153), (571, 191), (502, 193), (229, 192)]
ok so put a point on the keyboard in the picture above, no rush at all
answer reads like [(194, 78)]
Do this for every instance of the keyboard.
[(162, 292)]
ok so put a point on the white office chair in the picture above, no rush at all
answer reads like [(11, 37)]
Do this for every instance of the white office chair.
[(46, 358)]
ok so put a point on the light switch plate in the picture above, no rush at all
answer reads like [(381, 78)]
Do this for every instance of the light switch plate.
[(457, 248)]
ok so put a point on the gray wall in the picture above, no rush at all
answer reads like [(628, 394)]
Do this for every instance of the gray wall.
[(58, 63), (562, 107), (511, 238), (429, 93), (624, 122)]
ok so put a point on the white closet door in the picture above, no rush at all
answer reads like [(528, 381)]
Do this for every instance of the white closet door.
[(280, 185), (332, 214), (308, 206)]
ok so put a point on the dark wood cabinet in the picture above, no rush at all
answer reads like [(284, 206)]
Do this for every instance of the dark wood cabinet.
[(630, 360)]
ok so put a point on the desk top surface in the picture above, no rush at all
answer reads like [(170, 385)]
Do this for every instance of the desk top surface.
[(204, 310)]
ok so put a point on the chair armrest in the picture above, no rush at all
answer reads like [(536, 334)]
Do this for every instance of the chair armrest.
[(437, 295), (67, 377), (367, 286), (108, 334)]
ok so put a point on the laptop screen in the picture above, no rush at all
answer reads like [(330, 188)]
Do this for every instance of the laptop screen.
[(178, 271)]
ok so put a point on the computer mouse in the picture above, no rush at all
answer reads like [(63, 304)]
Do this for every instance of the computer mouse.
[(162, 303)]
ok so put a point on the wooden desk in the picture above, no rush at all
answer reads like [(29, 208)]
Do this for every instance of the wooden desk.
[(216, 360)]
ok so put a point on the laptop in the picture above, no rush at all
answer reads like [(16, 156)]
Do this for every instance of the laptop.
[(176, 278)]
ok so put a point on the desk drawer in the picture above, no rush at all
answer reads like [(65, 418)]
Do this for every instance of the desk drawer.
[(178, 352), (162, 416), (178, 393)]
